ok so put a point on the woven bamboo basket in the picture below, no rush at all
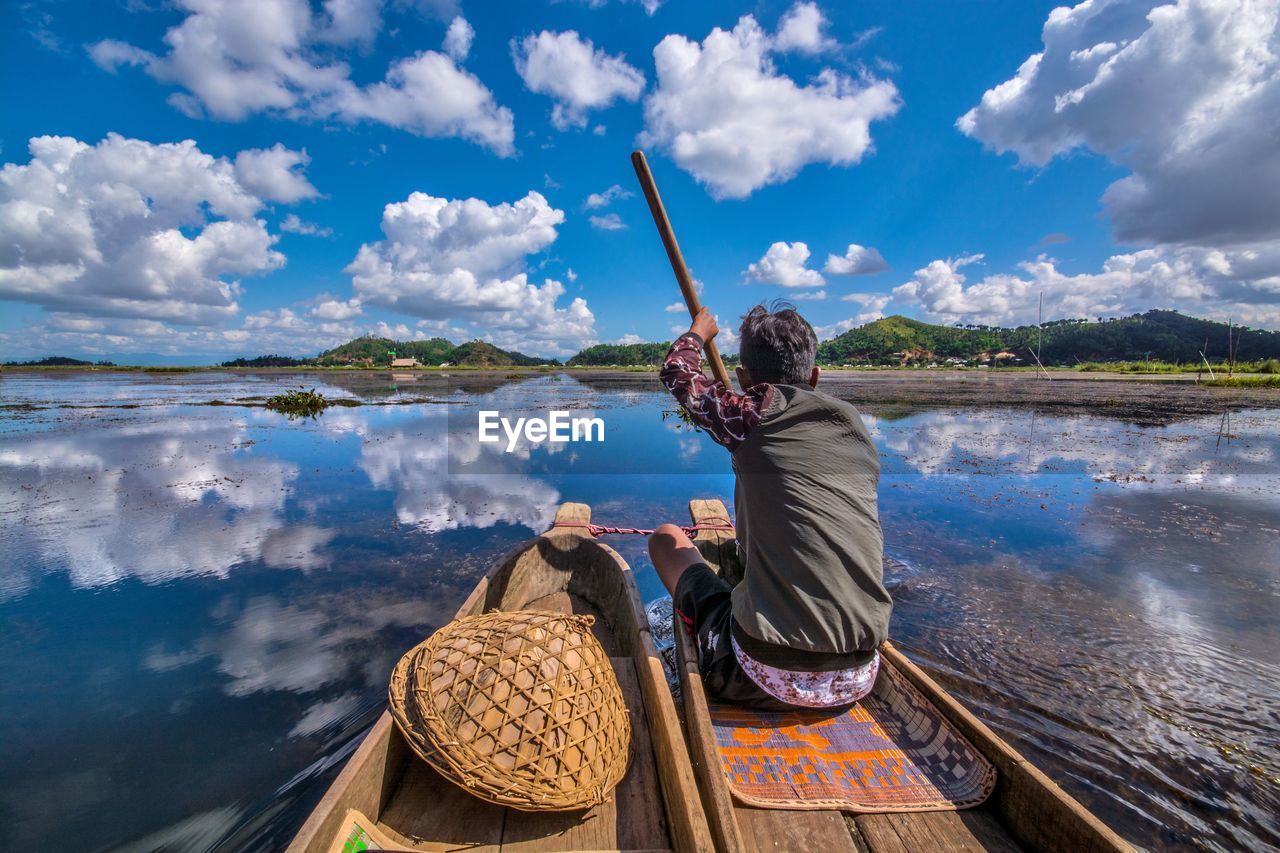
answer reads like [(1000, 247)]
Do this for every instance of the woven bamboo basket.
[(521, 709)]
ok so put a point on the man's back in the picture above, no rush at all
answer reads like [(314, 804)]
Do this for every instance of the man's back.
[(808, 528), (802, 627)]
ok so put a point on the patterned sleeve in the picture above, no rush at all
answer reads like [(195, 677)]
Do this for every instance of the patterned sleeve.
[(727, 417)]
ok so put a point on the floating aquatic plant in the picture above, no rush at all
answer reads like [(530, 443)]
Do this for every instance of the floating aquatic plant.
[(300, 403), (686, 422)]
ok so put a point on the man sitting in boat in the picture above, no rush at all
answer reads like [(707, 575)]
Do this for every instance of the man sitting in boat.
[(802, 628)]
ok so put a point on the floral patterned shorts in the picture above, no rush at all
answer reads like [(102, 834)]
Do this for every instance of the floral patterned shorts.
[(703, 603)]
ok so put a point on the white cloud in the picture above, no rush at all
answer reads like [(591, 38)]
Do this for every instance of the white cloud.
[(595, 201), (857, 260), (571, 275), (802, 29), (234, 59), (649, 6), (676, 308), (1182, 94), (451, 258), (283, 331), (811, 296), (725, 114), (873, 305), (1210, 283), (336, 309), (352, 22), (629, 338), (608, 222), (426, 94), (127, 228), (870, 301), (294, 225), (578, 76), (784, 264), (275, 173), (457, 41), (727, 339)]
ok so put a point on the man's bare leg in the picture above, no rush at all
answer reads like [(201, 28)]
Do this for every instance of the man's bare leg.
[(672, 553)]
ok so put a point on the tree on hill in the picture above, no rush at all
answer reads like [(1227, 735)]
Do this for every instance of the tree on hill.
[(480, 354), (620, 355), (891, 339), (265, 361), (1157, 334), (59, 361), (376, 352)]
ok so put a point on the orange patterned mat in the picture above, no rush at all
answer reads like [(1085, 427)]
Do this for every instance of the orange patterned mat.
[(891, 752)]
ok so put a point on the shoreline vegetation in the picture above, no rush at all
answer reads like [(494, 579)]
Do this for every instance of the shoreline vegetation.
[(1157, 343)]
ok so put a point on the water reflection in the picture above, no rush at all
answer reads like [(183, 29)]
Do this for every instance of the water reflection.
[(153, 500), (1004, 442), (420, 459), (225, 592)]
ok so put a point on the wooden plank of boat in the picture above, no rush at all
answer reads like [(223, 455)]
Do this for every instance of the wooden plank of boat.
[(1027, 810), (656, 807)]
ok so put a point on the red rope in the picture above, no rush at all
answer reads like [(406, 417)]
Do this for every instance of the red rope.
[(601, 530)]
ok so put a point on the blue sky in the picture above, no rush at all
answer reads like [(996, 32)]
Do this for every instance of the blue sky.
[(1131, 166)]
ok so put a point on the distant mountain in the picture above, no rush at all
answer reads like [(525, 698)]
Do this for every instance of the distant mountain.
[(265, 361), (58, 361), (620, 355), (1157, 334), (481, 354), (371, 351)]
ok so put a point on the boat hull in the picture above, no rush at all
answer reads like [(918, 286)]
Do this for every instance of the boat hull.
[(655, 807)]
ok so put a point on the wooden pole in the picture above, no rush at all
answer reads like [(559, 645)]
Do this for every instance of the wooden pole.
[(1231, 352), (668, 235)]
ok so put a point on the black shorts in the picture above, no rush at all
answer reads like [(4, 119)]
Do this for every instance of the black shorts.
[(703, 602)]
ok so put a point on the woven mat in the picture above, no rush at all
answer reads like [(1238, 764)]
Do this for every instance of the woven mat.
[(891, 752)]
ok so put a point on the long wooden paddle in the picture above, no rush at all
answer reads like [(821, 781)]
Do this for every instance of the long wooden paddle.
[(668, 235)]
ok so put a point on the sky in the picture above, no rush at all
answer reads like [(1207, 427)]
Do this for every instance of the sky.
[(193, 180)]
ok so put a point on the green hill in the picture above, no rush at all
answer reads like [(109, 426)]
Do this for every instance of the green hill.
[(896, 338), (1157, 334), (481, 354), (59, 361), (376, 352), (620, 355)]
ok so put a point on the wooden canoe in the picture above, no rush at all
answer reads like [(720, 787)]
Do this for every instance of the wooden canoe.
[(1027, 811), (656, 807)]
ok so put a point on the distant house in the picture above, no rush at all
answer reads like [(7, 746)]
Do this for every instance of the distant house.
[(404, 362)]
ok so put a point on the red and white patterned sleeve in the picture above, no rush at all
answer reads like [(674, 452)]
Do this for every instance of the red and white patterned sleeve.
[(728, 417)]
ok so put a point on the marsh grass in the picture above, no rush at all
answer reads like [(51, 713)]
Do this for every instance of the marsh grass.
[(1138, 367), (1245, 382), (299, 403), (1270, 365)]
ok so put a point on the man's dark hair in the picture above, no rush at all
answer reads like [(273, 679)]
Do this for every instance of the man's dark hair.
[(778, 345)]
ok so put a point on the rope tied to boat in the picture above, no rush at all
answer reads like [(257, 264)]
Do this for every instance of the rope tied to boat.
[(597, 530)]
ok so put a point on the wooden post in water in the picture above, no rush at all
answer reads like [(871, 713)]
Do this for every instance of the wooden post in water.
[(1231, 351)]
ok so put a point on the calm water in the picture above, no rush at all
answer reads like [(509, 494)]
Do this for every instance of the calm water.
[(200, 605)]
